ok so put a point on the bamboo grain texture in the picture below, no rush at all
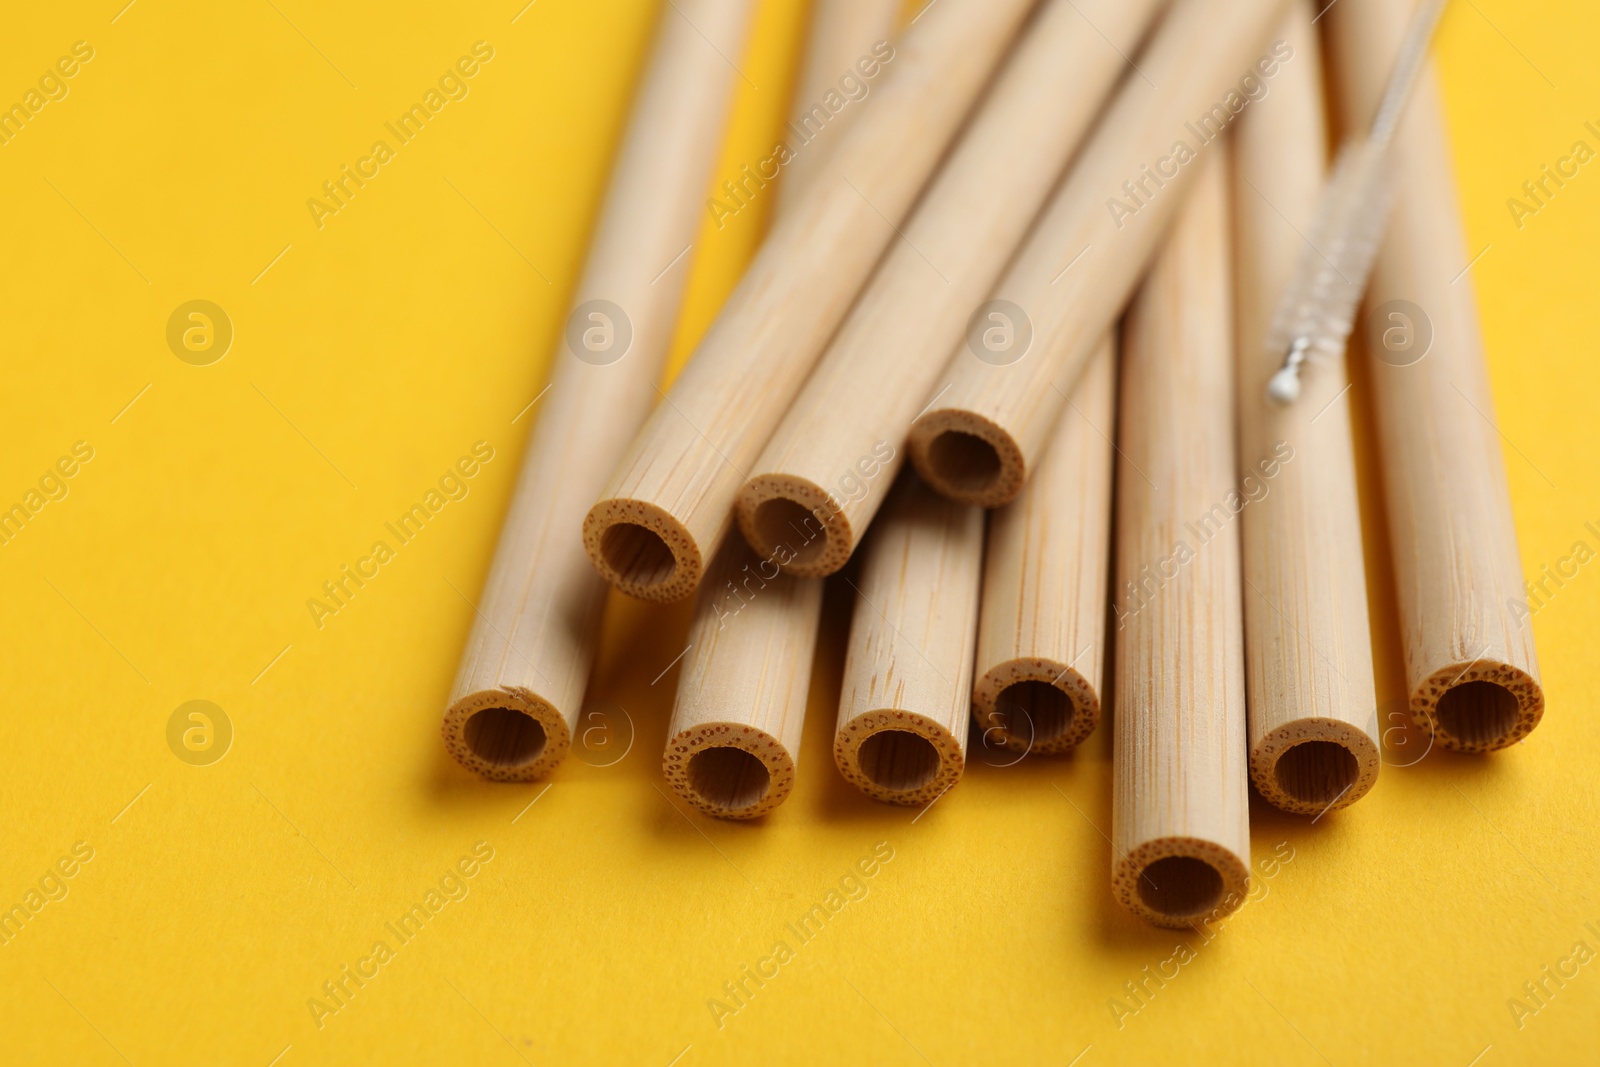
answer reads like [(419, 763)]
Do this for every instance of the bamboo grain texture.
[(1472, 674), (982, 433), (1314, 734), (734, 741), (669, 503), (733, 745), (842, 34), (1180, 816), (830, 463), (1041, 633), (904, 706), (520, 686)]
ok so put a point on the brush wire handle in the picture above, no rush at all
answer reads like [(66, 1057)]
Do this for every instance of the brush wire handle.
[(1316, 313)]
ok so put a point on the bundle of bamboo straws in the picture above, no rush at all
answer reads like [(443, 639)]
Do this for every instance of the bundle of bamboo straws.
[(944, 281)]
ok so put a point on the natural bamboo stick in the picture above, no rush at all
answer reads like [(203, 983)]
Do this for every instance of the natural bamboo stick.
[(1308, 652), (1471, 669), (982, 433), (734, 740), (902, 729), (1041, 635), (520, 687), (842, 35), (1180, 822), (831, 461), (669, 503)]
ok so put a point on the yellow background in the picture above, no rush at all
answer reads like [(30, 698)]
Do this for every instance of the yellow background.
[(370, 356)]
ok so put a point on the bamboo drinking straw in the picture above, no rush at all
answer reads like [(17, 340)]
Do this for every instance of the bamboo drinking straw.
[(1042, 630), (1308, 652), (838, 57), (1470, 664), (669, 503), (1180, 823), (831, 461), (521, 683), (734, 740), (902, 730), (982, 432), (735, 733)]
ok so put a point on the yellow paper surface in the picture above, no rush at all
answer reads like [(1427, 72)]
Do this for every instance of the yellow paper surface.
[(608, 922)]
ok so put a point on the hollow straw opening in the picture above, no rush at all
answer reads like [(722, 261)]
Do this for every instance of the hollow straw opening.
[(1034, 710), (1180, 886), (728, 777), (781, 521), (965, 462), (1316, 772), (637, 554), (504, 737), (899, 760), (1478, 713)]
